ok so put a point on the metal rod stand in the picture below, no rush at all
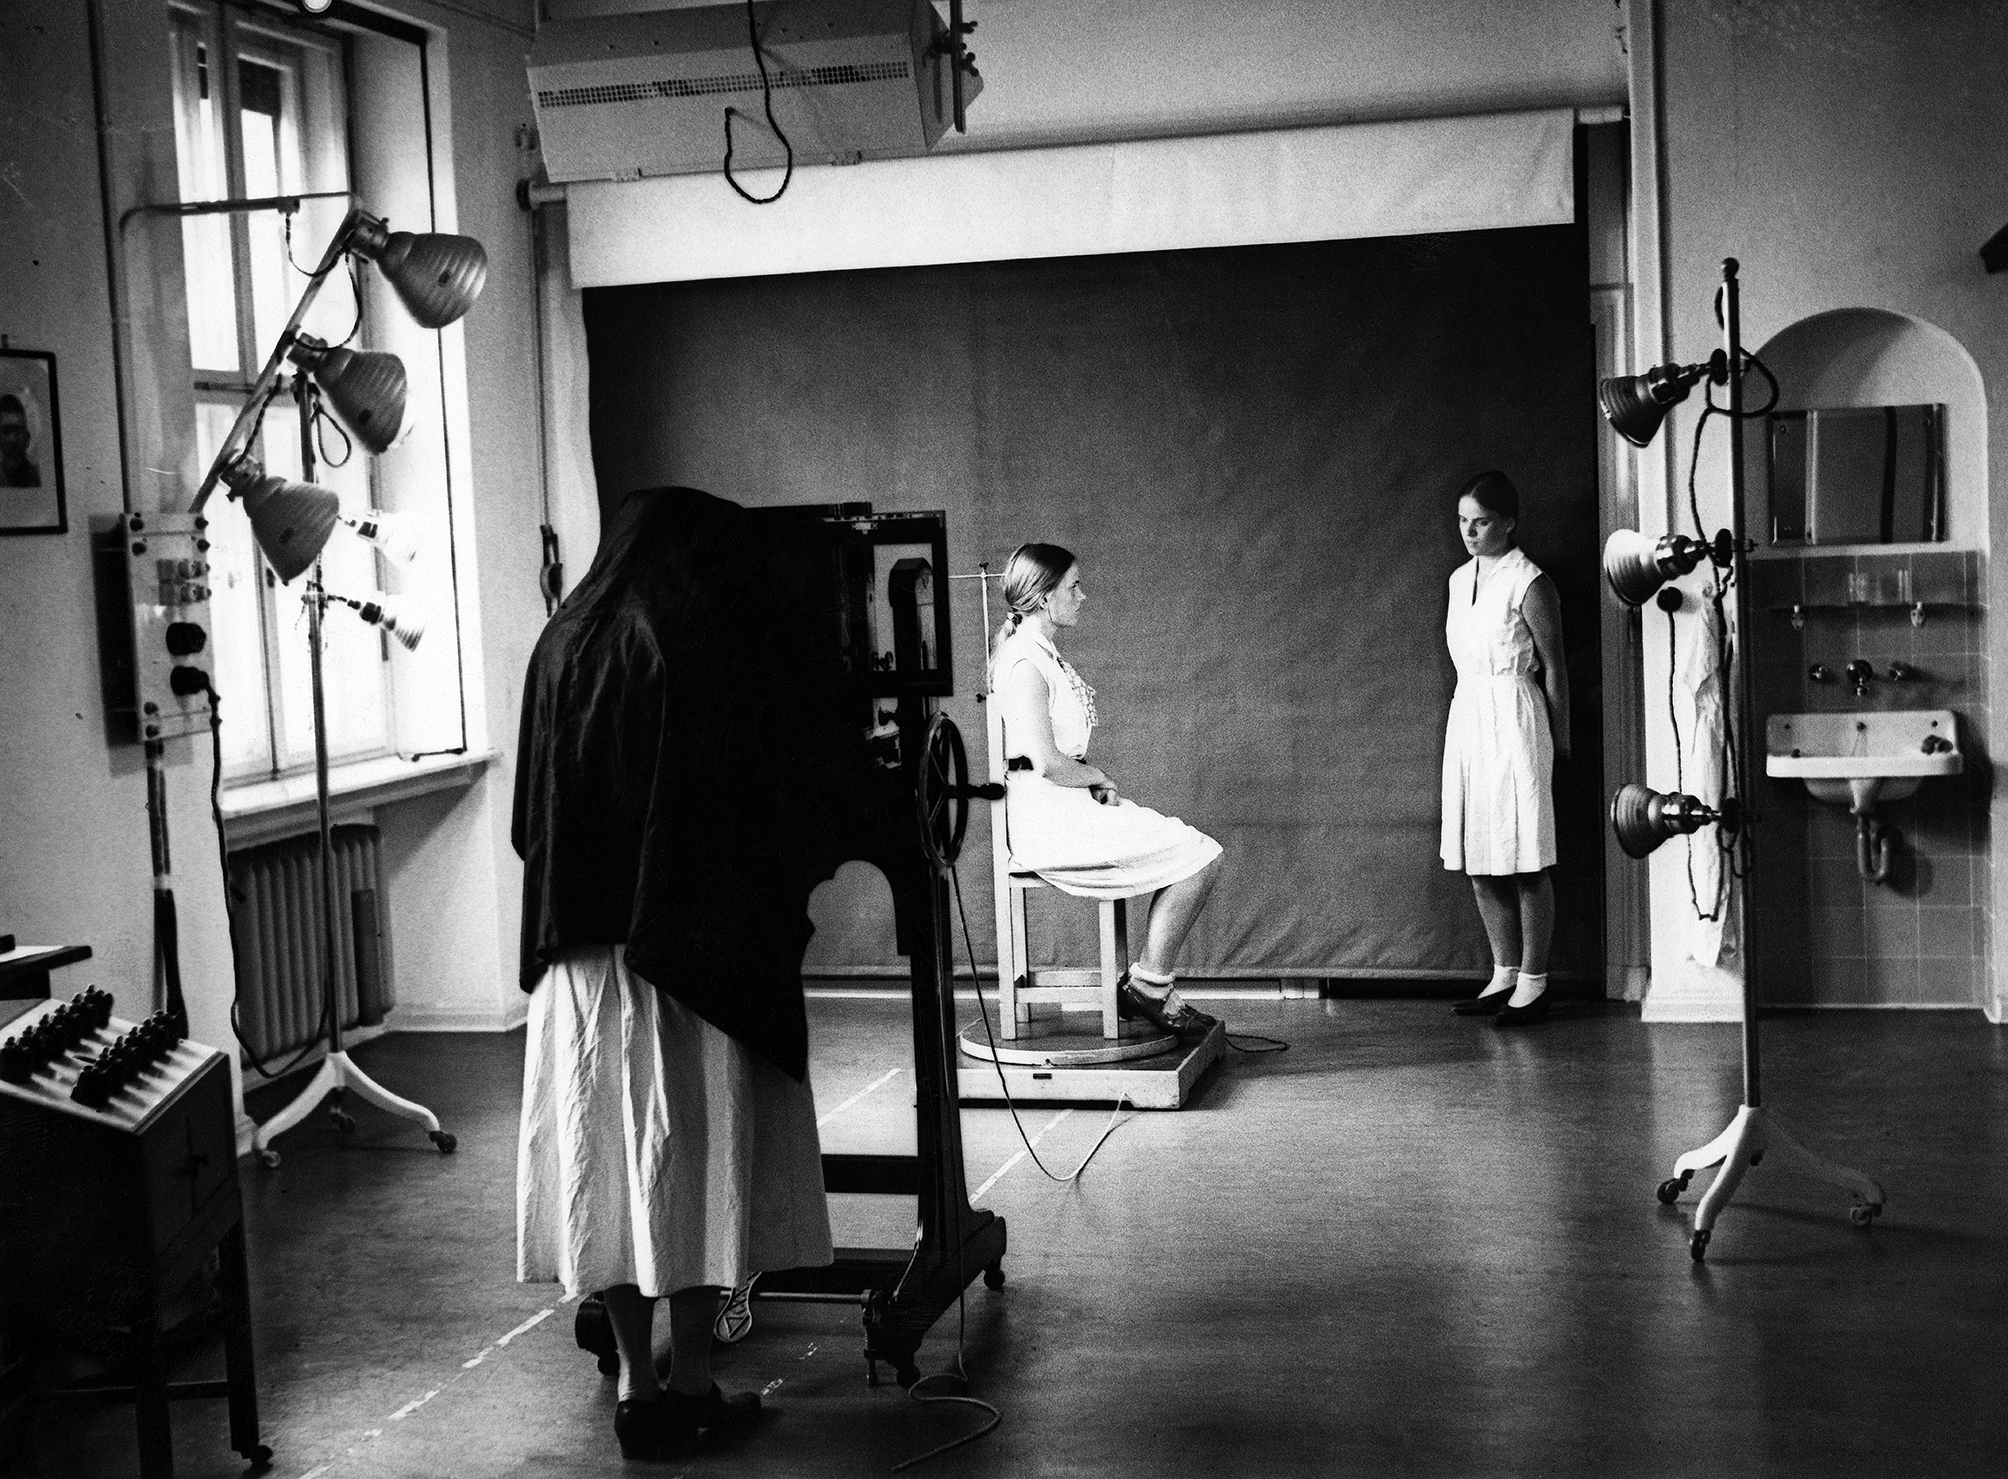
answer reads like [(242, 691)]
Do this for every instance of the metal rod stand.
[(1752, 1133), (338, 1073)]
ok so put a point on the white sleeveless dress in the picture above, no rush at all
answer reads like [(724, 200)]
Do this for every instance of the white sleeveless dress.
[(1498, 753), (1062, 833)]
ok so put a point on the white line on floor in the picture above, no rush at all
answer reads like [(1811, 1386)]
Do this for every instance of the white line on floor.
[(876, 1084), (998, 1175), (527, 1326), (410, 1407), (485, 1352)]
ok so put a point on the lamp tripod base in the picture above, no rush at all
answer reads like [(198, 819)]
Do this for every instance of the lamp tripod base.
[(1751, 1136), (337, 1075)]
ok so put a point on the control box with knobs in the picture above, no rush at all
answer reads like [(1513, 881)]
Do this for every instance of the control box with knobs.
[(155, 575)]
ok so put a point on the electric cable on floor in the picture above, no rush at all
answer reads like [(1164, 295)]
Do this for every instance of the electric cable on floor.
[(997, 1063)]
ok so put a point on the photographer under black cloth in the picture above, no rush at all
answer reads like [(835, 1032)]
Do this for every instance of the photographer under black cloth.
[(687, 767)]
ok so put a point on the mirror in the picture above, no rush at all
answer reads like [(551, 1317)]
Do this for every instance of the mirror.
[(1857, 475)]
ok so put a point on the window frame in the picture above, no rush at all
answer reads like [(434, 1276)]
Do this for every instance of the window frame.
[(220, 36)]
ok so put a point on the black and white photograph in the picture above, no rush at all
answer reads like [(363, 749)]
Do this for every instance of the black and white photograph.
[(1002, 738), (31, 445)]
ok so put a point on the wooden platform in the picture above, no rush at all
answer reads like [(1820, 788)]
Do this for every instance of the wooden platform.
[(1071, 1064)]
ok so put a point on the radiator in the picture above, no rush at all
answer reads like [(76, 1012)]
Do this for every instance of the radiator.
[(276, 928)]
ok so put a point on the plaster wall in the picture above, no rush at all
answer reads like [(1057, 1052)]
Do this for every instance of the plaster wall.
[(74, 849), (1847, 153)]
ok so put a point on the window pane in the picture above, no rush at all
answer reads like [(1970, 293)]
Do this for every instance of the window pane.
[(237, 645), (204, 175), (352, 660), (267, 171)]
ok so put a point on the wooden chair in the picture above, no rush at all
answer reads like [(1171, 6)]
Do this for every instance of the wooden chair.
[(1019, 987)]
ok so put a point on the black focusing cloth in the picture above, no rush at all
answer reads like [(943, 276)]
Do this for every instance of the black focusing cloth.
[(691, 761)]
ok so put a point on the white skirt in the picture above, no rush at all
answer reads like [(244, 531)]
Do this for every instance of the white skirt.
[(1498, 786), (1082, 847), (656, 1150)]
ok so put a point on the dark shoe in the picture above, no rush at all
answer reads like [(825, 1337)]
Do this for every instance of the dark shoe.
[(1186, 1024), (1482, 1006), (1535, 1011), (650, 1429), (714, 1412)]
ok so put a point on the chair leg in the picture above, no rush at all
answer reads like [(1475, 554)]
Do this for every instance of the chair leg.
[(1016, 1014), (1115, 960)]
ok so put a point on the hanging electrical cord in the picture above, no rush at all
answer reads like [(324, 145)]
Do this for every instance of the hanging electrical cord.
[(322, 421), (230, 899), (355, 283), (767, 102), (955, 878)]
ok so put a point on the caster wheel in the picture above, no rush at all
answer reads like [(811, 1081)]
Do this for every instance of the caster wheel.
[(343, 1121), (1697, 1246), (906, 1375), (443, 1140), (270, 1159), (1864, 1214), (260, 1455), (1670, 1190), (993, 1276)]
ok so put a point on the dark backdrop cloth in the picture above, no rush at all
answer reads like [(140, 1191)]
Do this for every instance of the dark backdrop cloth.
[(690, 762), (1255, 452)]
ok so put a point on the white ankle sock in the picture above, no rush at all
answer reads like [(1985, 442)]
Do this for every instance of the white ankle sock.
[(1154, 984), (1502, 979), (1530, 986)]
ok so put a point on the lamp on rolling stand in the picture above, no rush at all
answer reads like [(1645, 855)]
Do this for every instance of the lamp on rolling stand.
[(1636, 567), (436, 278)]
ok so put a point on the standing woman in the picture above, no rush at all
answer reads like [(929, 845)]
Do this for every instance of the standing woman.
[(1067, 821), (1509, 721)]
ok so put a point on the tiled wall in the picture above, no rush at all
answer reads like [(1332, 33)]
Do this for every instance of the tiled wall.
[(1827, 936)]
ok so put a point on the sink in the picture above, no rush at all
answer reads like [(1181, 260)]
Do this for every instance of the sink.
[(1856, 759)]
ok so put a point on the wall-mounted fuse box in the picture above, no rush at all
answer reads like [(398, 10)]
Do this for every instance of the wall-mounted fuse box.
[(153, 579)]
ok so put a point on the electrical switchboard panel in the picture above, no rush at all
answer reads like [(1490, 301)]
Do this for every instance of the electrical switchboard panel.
[(154, 626)]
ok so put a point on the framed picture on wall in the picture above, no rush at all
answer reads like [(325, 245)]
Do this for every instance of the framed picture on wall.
[(31, 445)]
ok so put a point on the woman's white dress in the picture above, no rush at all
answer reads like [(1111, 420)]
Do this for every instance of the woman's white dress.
[(1498, 752), (654, 1149), (1062, 833)]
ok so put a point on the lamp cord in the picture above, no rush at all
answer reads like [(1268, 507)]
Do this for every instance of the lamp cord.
[(767, 102)]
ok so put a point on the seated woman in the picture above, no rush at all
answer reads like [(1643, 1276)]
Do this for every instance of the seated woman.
[(1067, 822)]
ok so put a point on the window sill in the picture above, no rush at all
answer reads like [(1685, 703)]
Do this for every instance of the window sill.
[(262, 811)]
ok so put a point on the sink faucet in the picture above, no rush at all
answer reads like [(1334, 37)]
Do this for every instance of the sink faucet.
[(1860, 671)]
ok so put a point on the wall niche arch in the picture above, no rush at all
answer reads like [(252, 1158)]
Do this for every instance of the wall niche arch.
[(1849, 357)]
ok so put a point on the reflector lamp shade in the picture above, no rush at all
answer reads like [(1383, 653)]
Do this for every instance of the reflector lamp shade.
[(1643, 818), (386, 533), (290, 521), (403, 625), (1635, 567), (1635, 405), (364, 389), (437, 277)]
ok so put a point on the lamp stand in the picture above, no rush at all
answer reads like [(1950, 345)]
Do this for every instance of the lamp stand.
[(1752, 1133), (338, 1073)]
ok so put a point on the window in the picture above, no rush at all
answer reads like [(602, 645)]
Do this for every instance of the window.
[(261, 110)]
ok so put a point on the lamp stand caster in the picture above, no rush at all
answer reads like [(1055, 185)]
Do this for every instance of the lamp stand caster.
[(258, 1457), (1697, 1246), (343, 1120), (443, 1139), (993, 1276), (269, 1158), (1864, 1214), (1670, 1189)]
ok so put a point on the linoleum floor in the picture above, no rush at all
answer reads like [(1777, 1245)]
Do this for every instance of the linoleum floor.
[(1411, 1245)]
